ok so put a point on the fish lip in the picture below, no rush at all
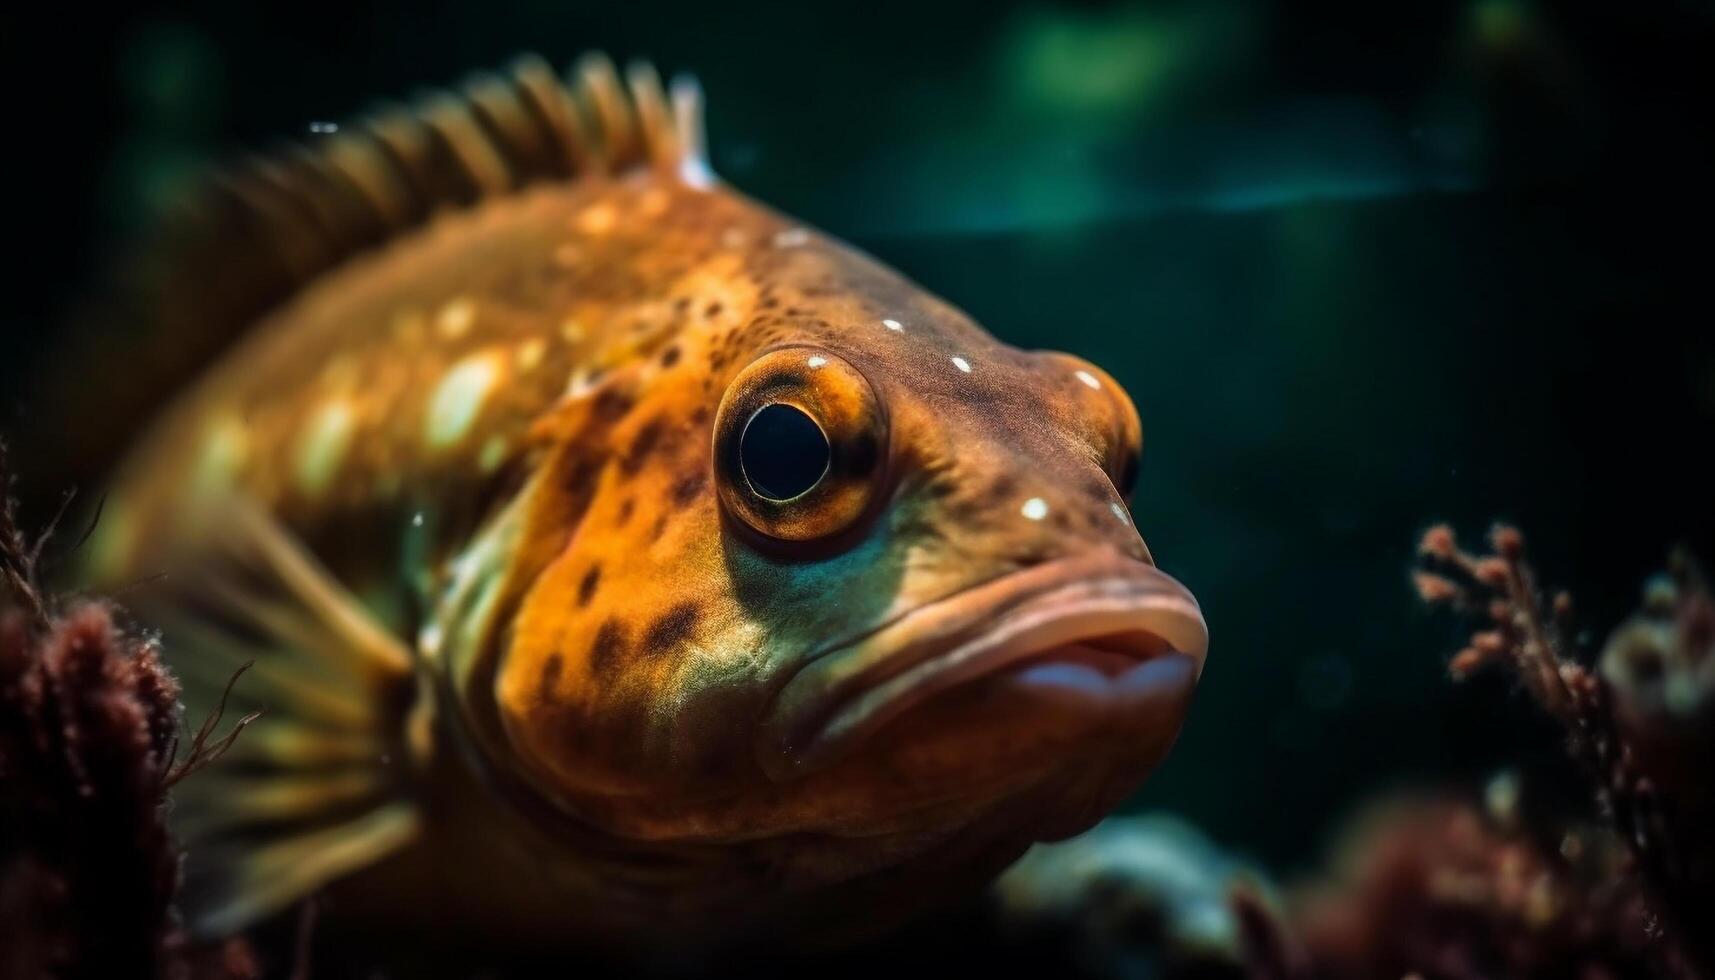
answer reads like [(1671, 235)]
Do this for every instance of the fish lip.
[(846, 692)]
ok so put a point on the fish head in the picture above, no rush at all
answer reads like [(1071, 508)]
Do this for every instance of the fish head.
[(855, 572)]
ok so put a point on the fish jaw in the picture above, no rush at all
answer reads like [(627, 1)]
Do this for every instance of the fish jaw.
[(1080, 648)]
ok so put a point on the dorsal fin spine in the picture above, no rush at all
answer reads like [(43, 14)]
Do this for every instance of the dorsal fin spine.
[(687, 100), (552, 104)]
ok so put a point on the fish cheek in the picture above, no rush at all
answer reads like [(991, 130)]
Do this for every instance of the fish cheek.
[(598, 691)]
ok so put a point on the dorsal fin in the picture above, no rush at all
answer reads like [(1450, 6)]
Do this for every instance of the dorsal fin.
[(258, 231), (316, 205)]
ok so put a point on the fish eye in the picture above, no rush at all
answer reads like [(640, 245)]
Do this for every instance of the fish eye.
[(783, 452), (799, 447)]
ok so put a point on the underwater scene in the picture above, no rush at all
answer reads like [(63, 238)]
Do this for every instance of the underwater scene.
[(1114, 490)]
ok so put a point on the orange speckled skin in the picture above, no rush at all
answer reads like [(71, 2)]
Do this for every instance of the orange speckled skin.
[(619, 688)]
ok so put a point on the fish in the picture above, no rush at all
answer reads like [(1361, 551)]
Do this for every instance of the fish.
[(600, 551)]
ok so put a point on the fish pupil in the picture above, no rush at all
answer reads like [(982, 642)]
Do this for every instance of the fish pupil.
[(783, 451)]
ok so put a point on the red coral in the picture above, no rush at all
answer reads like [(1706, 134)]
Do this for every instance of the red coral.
[(89, 721), (1435, 889), (1647, 764), (85, 727)]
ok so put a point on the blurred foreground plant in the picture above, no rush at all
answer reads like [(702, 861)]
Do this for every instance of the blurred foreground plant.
[(89, 722)]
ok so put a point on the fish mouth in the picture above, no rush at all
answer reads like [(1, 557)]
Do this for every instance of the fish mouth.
[(1094, 640)]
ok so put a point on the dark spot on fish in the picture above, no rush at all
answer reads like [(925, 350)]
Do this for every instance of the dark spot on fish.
[(670, 356), (582, 477), (700, 415), (1002, 490), (659, 528), (682, 304), (712, 310), (768, 303), (550, 677), (608, 647), (943, 485), (672, 628), (587, 586), (626, 506), (641, 446), (689, 485), (611, 404)]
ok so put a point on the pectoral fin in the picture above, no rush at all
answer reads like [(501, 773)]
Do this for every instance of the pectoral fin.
[(319, 785)]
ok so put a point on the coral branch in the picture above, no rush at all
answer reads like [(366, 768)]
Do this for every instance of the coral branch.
[(1640, 726)]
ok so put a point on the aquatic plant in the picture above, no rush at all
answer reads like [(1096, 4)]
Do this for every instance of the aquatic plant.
[(1442, 888), (89, 737), (1639, 718)]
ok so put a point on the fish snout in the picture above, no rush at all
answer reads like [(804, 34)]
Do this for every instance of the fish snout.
[(1097, 648)]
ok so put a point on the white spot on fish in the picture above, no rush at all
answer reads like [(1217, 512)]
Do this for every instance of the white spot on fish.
[(458, 400), (571, 330), (1035, 508), (529, 353), (417, 519), (582, 382), (791, 238), (324, 127), (816, 360), (455, 318), (222, 451), (962, 364), (597, 219), (324, 445), (492, 455), (429, 639), (1120, 512), (1089, 380), (893, 325)]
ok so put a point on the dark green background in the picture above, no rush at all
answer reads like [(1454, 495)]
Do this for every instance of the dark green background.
[(1362, 266)]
